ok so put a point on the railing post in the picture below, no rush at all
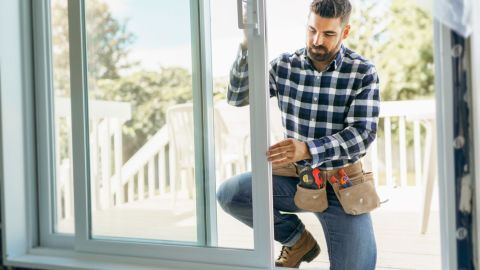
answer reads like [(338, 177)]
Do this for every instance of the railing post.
[(59, 175), (429, 174), (374, 160), (131, 189), (94, 162), (141, 183), (67, 188), (118, 156), (151, 178), (172, 170), (162, 170), (403, 152), (105, 160), (417, 151), (388, 152), (69, 179)]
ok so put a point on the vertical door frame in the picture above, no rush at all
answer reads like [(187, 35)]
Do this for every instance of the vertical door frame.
[(445, 156)]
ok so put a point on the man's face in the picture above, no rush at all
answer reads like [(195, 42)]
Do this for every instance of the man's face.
[(324, 37)]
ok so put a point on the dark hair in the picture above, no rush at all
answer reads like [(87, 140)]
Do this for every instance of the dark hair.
[(332, 9)]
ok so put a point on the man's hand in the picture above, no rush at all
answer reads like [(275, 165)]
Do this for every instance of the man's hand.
[(287, 151)]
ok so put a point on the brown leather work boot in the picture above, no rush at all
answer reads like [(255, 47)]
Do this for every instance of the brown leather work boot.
[(306, 249)]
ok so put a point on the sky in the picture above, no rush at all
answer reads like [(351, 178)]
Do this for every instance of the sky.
[(163, 31)]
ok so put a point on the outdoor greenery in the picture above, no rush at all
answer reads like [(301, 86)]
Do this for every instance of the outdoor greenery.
[(110, 75), (398, 39), (149, 93)]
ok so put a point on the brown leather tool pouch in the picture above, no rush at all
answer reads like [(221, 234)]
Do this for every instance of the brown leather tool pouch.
[(313, 200), (361, 197)]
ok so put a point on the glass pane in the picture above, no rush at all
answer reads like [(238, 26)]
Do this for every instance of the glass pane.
[(63, 186), (142, 157), (399, 157), (232, 131)]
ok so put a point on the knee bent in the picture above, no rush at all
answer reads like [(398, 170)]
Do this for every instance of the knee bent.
[(223, 196)]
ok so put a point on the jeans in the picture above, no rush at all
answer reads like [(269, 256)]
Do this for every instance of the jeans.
[(350, 239)]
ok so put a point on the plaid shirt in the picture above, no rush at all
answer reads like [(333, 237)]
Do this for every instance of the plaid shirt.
[(335, 111)]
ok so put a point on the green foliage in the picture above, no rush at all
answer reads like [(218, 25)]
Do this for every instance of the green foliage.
[(108, 43), (399, 40), (60, 48), (150, 94), (220, 86)]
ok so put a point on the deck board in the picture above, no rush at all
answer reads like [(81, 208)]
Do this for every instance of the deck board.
[(399, 243)]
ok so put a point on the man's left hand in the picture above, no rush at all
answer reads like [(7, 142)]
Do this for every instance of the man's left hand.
[(287, 151)]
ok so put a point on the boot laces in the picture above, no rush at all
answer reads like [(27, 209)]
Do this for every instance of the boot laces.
[(284, 253)]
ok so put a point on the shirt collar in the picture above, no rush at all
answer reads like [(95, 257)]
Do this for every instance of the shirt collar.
[(333, 65)]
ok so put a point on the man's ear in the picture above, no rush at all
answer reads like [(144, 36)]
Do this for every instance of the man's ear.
[(346, 31)]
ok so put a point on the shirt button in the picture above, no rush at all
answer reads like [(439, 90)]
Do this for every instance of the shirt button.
[(314, 99), (313, 119)]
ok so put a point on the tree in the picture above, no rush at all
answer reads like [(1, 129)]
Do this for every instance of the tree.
[(150, 93), (108, 42), (398, 38), (108, 45)]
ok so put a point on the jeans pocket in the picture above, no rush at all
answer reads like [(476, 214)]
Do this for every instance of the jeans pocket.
[(361, 197), (313, 200)]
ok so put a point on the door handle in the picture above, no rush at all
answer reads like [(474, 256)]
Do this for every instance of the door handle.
[(252, 15)]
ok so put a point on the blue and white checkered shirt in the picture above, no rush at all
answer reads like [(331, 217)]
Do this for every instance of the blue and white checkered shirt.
[(335, 111)]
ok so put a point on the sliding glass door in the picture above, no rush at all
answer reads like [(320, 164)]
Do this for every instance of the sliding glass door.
[(147, 131)]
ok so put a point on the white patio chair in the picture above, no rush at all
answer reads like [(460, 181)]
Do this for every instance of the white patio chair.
[(181, 134), (238, 123)]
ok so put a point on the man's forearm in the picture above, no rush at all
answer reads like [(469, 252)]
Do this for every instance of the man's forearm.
[(346, 144)]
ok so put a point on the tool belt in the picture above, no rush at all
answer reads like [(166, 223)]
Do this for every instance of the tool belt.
[(357, 195)]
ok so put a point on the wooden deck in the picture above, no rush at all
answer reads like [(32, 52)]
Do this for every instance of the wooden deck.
[(397, 224)]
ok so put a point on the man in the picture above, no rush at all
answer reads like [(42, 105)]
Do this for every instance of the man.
[(329, 99)]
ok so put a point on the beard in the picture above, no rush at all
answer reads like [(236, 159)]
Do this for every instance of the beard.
[(321, 53)]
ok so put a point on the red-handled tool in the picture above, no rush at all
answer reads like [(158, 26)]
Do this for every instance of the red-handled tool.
[(318, 179), (333, 179)]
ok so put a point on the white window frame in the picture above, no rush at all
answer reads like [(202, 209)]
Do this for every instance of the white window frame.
[(475, 107), (260, 256), (445, 153), (19, 173), (44, 101)]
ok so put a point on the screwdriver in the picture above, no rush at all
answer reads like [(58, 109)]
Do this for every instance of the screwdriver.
[(344, 179)]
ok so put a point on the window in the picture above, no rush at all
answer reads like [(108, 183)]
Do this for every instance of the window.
[(141, 121), (20, 154), (148, 143)]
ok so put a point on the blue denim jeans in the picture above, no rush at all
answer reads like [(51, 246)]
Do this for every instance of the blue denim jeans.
[(350, 239)]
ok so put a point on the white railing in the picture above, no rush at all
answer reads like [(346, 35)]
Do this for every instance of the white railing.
[(106, 121), (147, 173), (418, 114), (151, 157)]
